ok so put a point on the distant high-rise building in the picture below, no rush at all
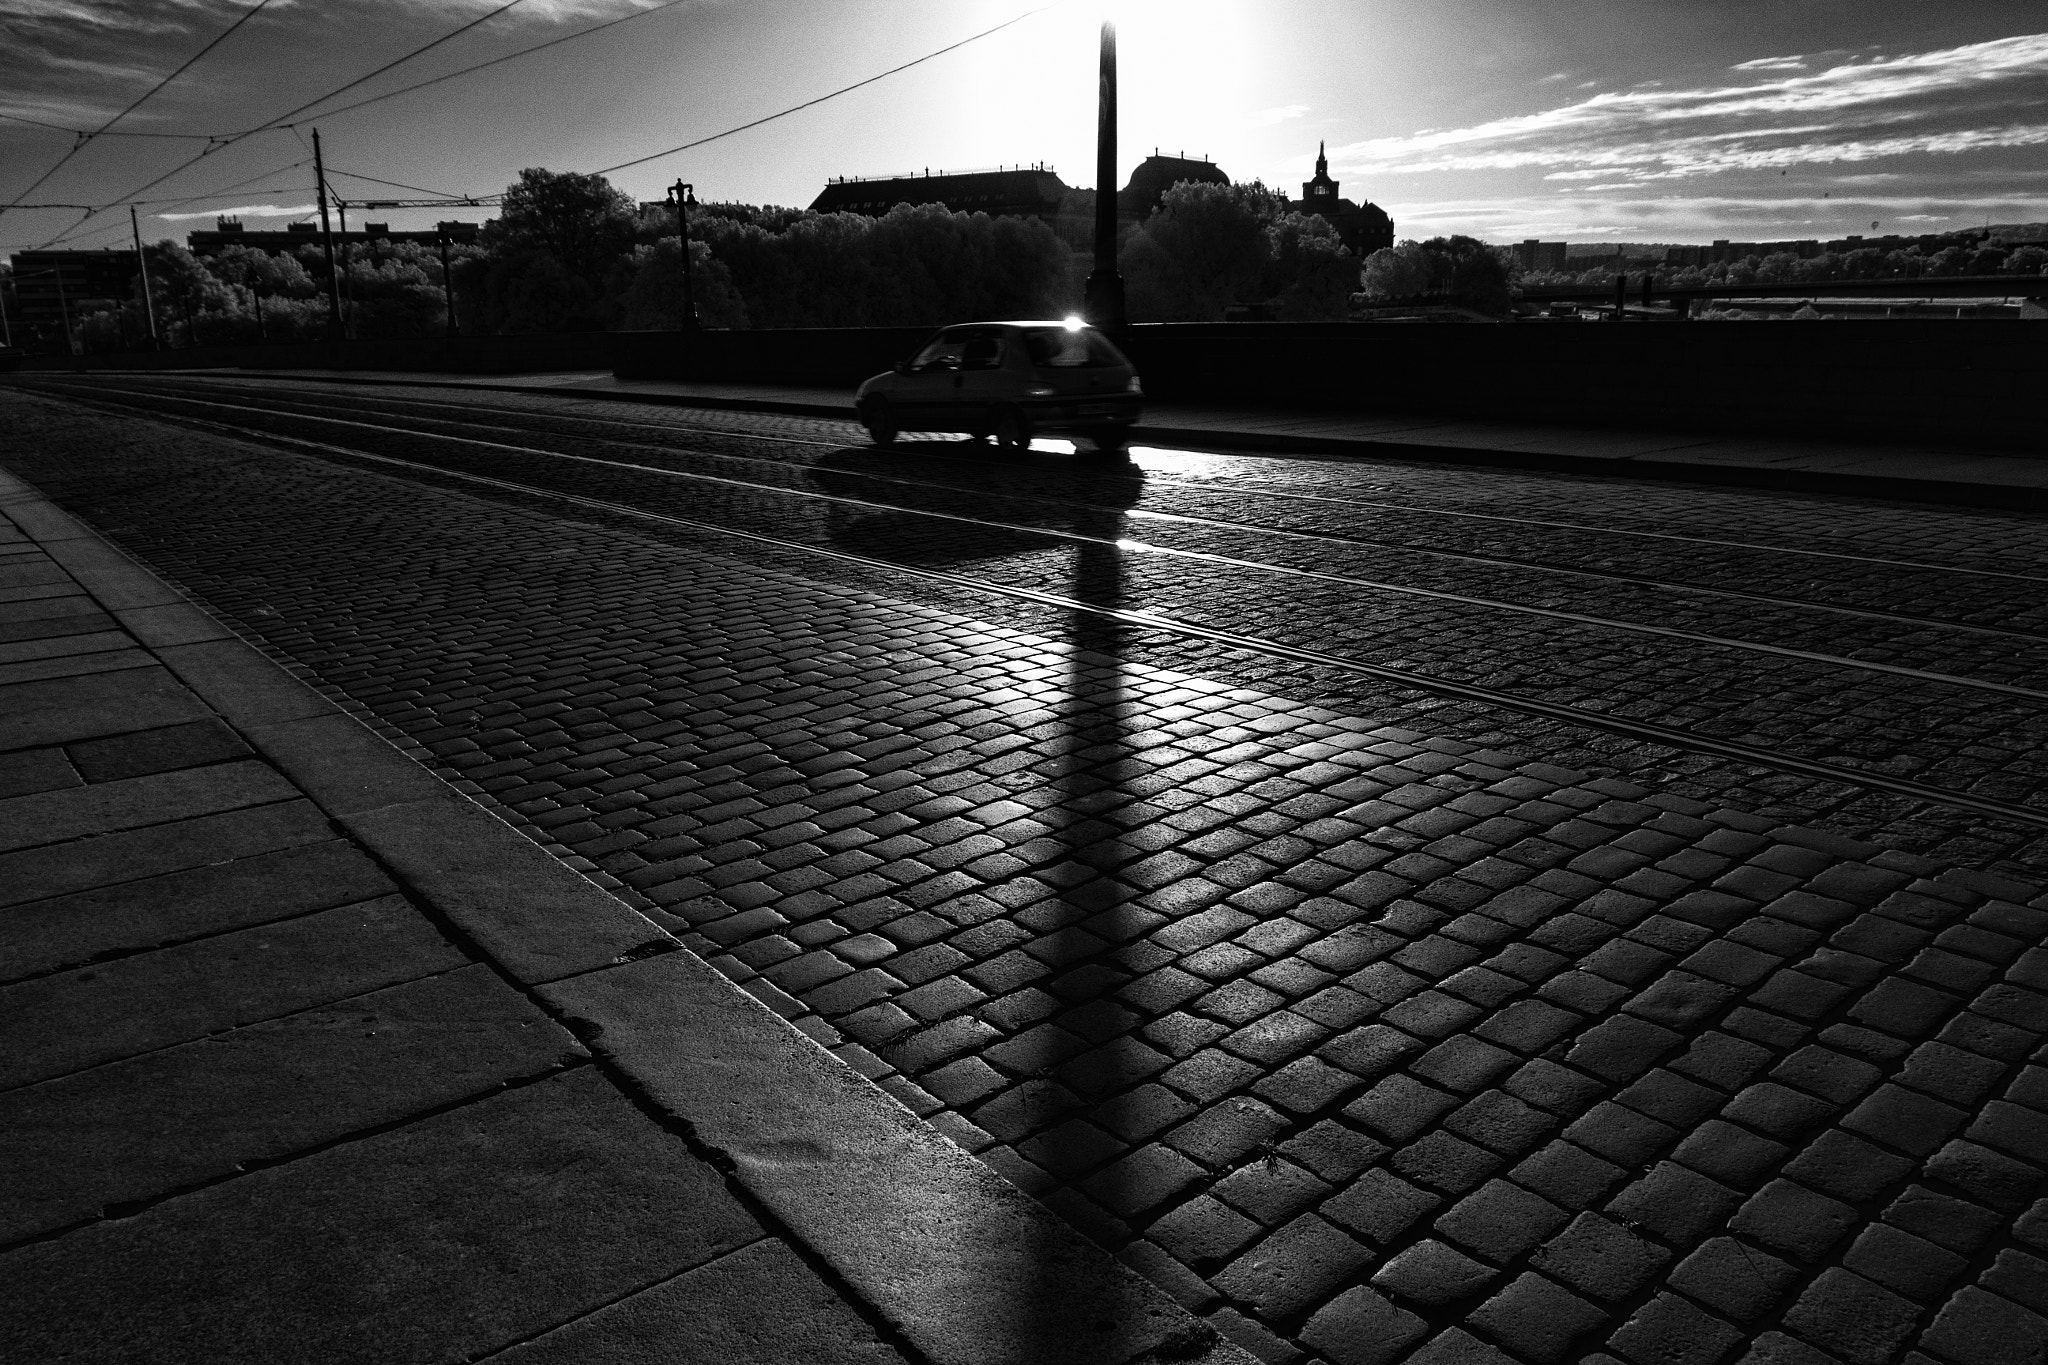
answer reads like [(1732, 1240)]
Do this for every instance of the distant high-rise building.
[(227, 232), (50, 287), (1535, 255)]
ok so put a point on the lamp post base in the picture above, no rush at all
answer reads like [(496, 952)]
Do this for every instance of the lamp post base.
[(1105, 301)]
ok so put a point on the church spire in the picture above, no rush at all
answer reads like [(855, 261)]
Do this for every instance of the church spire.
[(1322, 162)]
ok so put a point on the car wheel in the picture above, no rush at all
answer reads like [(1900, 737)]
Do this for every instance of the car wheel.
[(1012, 431), (880, 422)]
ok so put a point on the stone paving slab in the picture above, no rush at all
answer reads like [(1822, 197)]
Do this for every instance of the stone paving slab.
[(59, 710), (112, 921), (437, 1241), (142, 1128), (68, 1021), (34, 874), (73, 666), (715, 1310), (108, 807)]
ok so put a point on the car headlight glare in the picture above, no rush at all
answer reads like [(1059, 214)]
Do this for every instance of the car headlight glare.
[(1133, 386)]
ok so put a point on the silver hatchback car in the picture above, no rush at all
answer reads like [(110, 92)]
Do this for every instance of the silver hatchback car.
[(1009, 380)]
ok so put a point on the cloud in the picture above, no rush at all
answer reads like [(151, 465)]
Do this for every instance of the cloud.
[(1592, 213), (1976, 97), (243, 211), (1771, 64), (1266, 118)]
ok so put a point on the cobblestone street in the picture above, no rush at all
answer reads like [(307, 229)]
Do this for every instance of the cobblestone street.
[(1407, 912)]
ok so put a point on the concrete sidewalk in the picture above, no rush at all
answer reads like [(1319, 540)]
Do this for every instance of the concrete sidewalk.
[(1954, 473), (311, 1058)]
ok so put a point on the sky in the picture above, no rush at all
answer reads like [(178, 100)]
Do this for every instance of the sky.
[(1580, 120)]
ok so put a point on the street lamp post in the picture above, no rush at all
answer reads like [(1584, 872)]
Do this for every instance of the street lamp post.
[(1105, 298), (447, 285), (685, 198)]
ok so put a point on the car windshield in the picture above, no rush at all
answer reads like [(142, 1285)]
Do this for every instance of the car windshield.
[(1062, 348)]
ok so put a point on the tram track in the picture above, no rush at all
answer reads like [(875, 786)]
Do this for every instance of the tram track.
[(1669, 737), (1327, 537), (1603, 578), (1287, 489), (1211, 559)]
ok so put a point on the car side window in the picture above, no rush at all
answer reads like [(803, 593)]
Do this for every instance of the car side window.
[(944, 353), (1061, 348), (982, 353)]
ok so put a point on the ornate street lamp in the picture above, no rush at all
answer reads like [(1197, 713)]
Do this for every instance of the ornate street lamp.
[(684, 197)]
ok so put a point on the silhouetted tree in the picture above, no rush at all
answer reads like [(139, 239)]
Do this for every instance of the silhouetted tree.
[(1203, 248), (654, 299), (1396, 272), (580, 220)]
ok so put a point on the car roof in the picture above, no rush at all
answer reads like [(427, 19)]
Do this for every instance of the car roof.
[(1046, 322)]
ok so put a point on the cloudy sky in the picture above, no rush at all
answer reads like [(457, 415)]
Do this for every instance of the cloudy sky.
[(1635, 120)]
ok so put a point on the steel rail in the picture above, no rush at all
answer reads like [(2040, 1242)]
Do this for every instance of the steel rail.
[(1220, 560), (1264, 488), (1415, 680), (1249, 528)]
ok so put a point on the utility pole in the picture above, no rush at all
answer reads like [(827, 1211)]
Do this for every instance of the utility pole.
[(447, 285), (327, 241), (142, 264), (686, 195), (1105, 298), (6, 327), (64, 310)]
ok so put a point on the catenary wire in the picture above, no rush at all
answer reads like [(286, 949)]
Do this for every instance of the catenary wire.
[(232, 139), (845, 89), (85, 138)]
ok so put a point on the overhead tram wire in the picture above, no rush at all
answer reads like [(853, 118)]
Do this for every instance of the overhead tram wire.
[(85, 139), (280, 121), (103, 132), (401, 185), (495, 61), (284, 120), (843, 90)]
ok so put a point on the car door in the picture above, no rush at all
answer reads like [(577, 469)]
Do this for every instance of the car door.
[(926, 394), (984, 379)]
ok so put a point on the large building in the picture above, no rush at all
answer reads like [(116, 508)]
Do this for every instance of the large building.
[(1365, 228), (229, 232), (52, 288), (1009, 192), (1157, 174)]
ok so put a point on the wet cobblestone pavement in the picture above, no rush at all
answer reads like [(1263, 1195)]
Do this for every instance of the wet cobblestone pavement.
[(1375, 1022)]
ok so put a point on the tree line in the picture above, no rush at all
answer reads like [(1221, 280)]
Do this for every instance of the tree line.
[(1992, 257), (570, 252)]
